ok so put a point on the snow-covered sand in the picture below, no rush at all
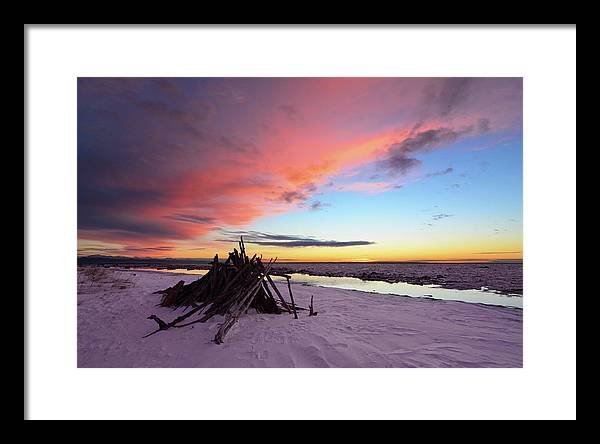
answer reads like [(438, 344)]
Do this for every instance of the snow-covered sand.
[(352, 329)]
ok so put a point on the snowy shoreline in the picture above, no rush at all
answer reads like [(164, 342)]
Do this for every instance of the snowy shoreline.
[(503, 277), (352, 329)]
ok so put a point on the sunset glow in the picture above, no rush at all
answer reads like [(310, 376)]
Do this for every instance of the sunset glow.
[(306, 169)]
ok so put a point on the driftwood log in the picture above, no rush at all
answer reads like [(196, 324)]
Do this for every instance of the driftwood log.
[(229, 289), (292, 299), (311, 311)]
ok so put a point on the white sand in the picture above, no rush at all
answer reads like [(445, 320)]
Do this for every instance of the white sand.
[(352, 329)]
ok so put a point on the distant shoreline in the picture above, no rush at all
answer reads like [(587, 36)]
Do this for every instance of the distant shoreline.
[(503, 277), (110, 260)]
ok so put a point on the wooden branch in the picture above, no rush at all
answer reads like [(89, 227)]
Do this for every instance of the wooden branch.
[(311, 308), (292, 299), (232, 318), (285, 304), (171, 294), (162, 325), (241, 307)]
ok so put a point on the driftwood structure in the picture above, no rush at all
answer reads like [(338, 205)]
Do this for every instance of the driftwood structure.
[(230, 289)]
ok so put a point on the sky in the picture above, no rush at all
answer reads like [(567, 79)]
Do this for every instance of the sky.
[(305, 169)]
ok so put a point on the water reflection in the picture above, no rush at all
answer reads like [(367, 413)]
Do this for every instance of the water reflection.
[(483, 296), (170, 270)]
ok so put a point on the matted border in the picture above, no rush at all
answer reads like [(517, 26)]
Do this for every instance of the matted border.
[(545, 57)]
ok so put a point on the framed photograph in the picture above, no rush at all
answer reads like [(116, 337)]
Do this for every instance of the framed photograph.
[(232, 211), (305, 208)]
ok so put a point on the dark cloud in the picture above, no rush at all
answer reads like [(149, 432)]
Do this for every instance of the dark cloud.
[(126, 225), (285, 240), (440, 173), (290, 111), (237, 144), (445, 97), (189, 118), (193, 218), (121, 88), (298, 195), (452, 98), (125, 250), (313, 243), (116, 198), (234, 235), (136, 249), (318, 205), (483, 125), (428, 139), (309, 187), (230, 93), (168, 86), (398, 162), (452, 93), (400, 157), (115, 209), (152, 107), (440, 216), (293, 196), (416, 127)]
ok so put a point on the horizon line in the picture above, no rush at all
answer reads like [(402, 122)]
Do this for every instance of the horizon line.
[(282, 260)]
